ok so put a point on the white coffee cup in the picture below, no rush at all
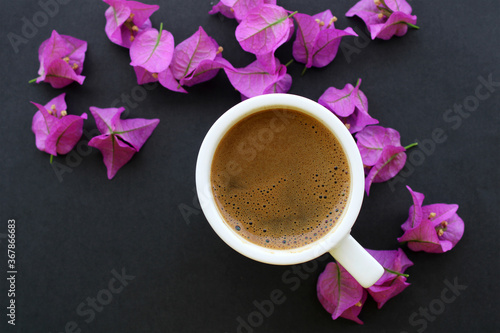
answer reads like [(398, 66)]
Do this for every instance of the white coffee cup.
[(338, 241)]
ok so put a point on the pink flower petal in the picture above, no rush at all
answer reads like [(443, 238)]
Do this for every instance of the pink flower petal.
[(264, 30), (395, 25), (143, 76), (136, 131), (66, 134), (106, 119), (42, 125), (327, 44), (338, 101), (241, 8), (390, 163), (167, 79), (206, 70), (225, 10), (254, 79), (337, 290), (372, 140), (422, 237), (152, 51), (60, 74), (394, 260), (189, 53), (307, 30), (115, 153), (415, 214), (382, 293), (116, 15)]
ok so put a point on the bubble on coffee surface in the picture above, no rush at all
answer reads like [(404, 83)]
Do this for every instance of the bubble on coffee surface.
[(294, 189)]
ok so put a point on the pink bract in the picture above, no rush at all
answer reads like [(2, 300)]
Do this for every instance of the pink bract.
[(126, 19), (388, 18), (433, 228), (55, 131), (61, 60), (120, 138), (339, 293)]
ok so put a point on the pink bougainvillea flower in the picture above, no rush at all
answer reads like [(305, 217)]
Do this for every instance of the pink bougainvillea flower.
[(61, 60), (120, 139), (339, 293), (384, 18), (390, 162), (238, 9), (372, 140), (56, 132), (263, 30), (152, 50), (254, 79), (126, 19), (223, 9), (433, 228), (317, 40), (393, 282), (196, 59), (350, 105)]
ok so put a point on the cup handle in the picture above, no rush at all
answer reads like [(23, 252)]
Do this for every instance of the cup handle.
[(357, 261)]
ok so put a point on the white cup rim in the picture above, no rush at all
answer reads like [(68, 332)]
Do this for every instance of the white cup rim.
[(209, 205)]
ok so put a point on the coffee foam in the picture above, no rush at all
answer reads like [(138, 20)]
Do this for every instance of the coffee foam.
[(280, 179)]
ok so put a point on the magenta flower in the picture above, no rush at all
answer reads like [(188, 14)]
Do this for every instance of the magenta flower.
[(372, 140), (120, 139), (61, 60), (433, 228), (254, 79), (393, 281), (384, 18), (238, 9), (317, 40), (339, 293), (350, 105), (382, 153), (126, 19), (263, 30), (152, 50), (56, 132), (197, 59)]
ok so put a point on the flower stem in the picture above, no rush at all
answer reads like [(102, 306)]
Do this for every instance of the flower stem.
[(295, 12), (289, 63), (412, 25), (394, 272), (303, 71), (33, 80), (411, 145), (51, 158)]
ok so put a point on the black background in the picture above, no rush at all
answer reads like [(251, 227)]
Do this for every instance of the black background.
[(72, 233)]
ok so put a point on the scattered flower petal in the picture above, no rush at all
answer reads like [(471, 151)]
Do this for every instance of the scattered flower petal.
[(152, 50), (223, 9), (264, 30), (167, 79), (391, 161), (384, 18), (120, 139), (433, 228), (339, 293), (126, 19), (198, 50), (372, 140), (55, 131), (61, 60), (317, 40), (392, 281), (350, 105), (254, 79)]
